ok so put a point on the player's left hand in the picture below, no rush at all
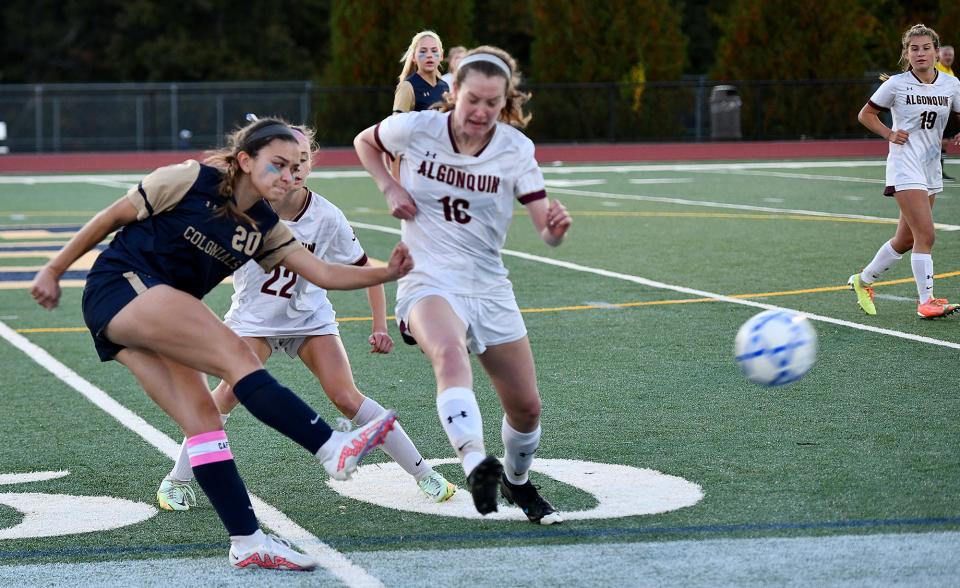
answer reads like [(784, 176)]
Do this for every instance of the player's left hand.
[(380, 342), (558, 220), (401, 262)]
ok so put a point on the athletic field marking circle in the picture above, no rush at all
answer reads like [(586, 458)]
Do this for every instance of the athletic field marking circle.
[(620, 491)]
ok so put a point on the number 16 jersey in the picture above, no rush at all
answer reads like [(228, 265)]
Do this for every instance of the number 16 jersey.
[(464, 202)]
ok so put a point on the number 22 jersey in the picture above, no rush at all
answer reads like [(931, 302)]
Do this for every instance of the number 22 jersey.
[(281, 303)]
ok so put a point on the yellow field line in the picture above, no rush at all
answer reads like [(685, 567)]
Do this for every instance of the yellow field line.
[(591, 306)]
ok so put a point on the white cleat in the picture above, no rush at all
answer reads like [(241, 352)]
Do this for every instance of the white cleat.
[(350, 448), (273, 554)]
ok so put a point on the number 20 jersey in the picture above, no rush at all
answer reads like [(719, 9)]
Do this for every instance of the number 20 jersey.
[(281, 303), (464, 202), (922, 110)]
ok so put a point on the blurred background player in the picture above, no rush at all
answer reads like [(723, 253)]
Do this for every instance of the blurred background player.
[(278, 311), (921, 99), (420, 85), (463, 168), (183, 229), (945, 64), (453, 58)]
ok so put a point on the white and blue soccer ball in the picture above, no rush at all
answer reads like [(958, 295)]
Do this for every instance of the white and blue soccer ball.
[(776, 347)]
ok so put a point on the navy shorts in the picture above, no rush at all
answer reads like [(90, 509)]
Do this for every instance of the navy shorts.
[(105, 295)]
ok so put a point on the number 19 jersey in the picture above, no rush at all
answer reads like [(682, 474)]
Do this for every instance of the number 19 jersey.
[(922, 110), (464, 202)]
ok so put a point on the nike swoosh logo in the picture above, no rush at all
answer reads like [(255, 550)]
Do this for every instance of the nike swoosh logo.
[(462, 446), (418, 463), (315, 420)]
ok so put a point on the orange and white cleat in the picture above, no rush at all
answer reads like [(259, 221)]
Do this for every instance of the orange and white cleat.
[(342, 453), (936, 308)]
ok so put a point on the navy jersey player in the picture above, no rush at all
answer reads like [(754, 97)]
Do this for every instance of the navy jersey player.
[(921, 100), (182, 230), (420, 85), (462, 169), (277, 312)]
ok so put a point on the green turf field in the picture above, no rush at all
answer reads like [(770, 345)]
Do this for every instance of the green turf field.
[(632, 323)]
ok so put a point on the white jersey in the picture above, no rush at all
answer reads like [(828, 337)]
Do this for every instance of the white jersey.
[(922, 110), (281, 303), (464, 202)]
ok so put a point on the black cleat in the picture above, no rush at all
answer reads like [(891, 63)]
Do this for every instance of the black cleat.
[(538, 510), (482, 483)]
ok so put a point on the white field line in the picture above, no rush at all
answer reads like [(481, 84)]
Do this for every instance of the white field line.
[(700, 293), (710, 204), (796, 176), (335, 562), (547, 169)]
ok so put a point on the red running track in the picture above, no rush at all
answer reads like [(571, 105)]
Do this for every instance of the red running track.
[(593, 153)]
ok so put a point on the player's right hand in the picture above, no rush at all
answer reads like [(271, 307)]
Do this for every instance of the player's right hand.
[(400, 202), (46, 289), (898, 137), (401, 262)]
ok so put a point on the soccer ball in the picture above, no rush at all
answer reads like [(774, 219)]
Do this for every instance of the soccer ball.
[(775, 347)]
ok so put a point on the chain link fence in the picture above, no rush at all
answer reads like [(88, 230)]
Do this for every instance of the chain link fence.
[(170, 116)]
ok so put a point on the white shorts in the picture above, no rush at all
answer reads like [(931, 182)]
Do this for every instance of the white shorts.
[(289, 344), (910, 174), (489, 321)]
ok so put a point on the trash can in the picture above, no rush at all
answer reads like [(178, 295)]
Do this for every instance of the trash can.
[(725, 106)]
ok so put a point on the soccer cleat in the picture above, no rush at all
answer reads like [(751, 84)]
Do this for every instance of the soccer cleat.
[(176, 495), (538, 510), (437, 487), (935, 308), (353, 446), (864, 294), (273, 554), (482, 483)]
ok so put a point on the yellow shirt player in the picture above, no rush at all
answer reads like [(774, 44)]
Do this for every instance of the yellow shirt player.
[(945, 63)]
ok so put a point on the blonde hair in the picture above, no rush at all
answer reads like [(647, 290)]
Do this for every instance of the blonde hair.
[(409, 59), (249, 140), (311, 136), (512, 113), (917, 30)]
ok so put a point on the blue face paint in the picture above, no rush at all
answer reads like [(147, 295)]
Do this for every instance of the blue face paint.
[(272, 169)]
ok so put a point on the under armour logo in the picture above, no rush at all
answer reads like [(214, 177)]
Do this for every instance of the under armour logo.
[(463, 414), (431, 155)]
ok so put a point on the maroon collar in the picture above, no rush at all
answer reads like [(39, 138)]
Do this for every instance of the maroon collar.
[(453, 140)]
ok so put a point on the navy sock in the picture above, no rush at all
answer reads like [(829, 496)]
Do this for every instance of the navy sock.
[(217, 474), (283, 410)]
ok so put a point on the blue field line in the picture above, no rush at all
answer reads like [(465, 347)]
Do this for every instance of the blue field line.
[(551, 533), (21, 276), (636, 532), (91, 551)]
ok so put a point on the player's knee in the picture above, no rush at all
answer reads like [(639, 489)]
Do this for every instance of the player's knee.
[(527, 413), (347, 400)]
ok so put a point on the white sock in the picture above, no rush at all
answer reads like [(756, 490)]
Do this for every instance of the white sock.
[(398, 444), (460, 417), (923, 274), (518, 450), (182, 472), (885, 259), (245, 542)]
